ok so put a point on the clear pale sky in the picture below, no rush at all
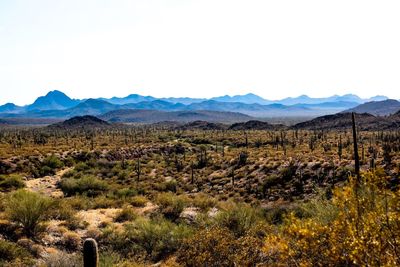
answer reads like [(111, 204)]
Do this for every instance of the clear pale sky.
[(203, 48)]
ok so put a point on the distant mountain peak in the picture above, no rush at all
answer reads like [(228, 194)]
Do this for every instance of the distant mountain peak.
[(86, 121), (9, 105), (251, 94), (53, 100), (94, 103), (350, 95), (10, 108), (249, 98), (56, 93)]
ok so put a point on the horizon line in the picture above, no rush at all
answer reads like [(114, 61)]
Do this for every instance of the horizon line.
[(198, 98)]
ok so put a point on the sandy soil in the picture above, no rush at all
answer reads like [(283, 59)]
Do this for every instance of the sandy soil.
[(47, 185)]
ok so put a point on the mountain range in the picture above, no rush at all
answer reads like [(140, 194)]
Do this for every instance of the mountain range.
[(57, 105), (181, 120)]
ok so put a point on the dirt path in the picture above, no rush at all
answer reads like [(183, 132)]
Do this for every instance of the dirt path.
[(47, 185), (97, 216)]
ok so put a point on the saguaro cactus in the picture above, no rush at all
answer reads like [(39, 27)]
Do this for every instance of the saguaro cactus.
[(192, 171), (356, 158), (138, 170), (340, 148), (90, 253)]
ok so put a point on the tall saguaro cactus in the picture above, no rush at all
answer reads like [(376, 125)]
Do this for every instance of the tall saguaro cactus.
[(138, 170), (90, 253), (356, 158)]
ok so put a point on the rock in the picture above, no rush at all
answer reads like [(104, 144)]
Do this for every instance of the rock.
[(189, 214), (168, 179), (213, 212)]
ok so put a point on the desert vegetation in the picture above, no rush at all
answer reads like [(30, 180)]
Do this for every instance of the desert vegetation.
[(152, 194)]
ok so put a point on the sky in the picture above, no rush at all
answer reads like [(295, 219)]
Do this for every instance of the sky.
[(202, 48)]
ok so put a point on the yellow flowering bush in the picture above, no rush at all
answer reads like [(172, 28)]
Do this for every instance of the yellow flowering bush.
[(365, 232)]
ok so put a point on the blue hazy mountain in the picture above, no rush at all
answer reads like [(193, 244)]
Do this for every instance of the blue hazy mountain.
[(56, 104), (349, 98), (157, 105), (10, 108), (247, 99), (256, 110), (87, 107), (132, 98), (183, 100), (92, 107), (53, 100), (340, 105)]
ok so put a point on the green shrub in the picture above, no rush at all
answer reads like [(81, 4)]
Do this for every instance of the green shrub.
[(171, 205), (10, 252), (239, 218), (204, 202), (28, 209), (103, 202), (63, 209), (277, 215), (81, 166), (53, 162), (79, 202), (73, 223), (125, 192), (49, 165), (46, 170), (88, 185), (109, 259), (321, 210), (126, 214), (71, 241), (69, 174), (157, 238), (11, 182), (139, 201), (171, 185)]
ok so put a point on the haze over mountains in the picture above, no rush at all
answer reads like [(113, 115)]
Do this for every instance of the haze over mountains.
[(58, 105), (241, 112)]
